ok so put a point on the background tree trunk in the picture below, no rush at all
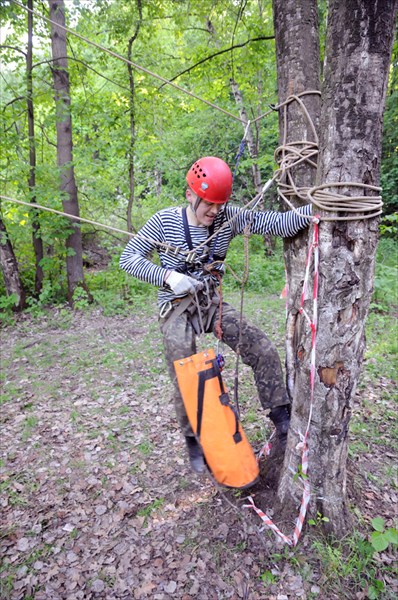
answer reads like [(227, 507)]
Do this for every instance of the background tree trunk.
[(252, 142), (9, 267), (358, 51), (36, 234), (132, 118), (74, 259)]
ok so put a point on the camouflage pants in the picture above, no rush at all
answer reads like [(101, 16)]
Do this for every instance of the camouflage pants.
[(256, 350)]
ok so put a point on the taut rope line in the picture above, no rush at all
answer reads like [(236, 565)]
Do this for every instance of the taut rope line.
[(251, 205)]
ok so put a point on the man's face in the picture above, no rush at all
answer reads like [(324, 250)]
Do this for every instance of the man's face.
[(206, 212)]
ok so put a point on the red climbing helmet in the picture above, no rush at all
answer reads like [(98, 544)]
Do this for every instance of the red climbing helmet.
[(210, 178)]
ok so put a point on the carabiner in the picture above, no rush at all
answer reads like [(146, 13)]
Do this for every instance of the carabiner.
[(165, 309)]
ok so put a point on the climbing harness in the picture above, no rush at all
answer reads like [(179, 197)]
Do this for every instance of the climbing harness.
[(201, 305)]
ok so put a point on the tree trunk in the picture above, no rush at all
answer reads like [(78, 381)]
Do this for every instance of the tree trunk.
[(132, 119), (36, 234), (252, 143), (253, 149), (358, 52), (9, 267), (298, 70), (74, 259)]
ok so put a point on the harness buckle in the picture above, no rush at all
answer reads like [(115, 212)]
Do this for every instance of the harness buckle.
[(165, 309)]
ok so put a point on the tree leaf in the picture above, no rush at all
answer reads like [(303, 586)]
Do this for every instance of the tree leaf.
[(378, 523), (379, 541), (392, 535)]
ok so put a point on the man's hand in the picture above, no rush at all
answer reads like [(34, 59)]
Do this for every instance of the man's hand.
[(182, 284)]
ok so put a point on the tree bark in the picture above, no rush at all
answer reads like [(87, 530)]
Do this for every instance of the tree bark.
[(132, 119), (74, 259), (36, 234), (298, 70), (358, 53), (9, 267)]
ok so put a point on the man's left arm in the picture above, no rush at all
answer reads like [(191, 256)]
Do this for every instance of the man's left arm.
[(283, 224)]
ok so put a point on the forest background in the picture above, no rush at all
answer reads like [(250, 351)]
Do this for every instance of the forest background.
[(134, 137)]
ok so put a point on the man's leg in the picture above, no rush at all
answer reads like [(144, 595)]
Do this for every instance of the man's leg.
[(260, 354), (179, 342)]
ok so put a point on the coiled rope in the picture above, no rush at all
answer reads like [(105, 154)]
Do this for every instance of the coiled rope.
[(290, 155)]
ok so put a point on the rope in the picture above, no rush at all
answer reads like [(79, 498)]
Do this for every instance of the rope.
[(189, 254), (371, 206), (127, 61), (290, 155)]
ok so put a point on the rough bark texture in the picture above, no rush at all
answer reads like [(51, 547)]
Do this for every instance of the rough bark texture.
[(132, 119), (358, 52), (74, 260), (298, 70), (36, 234), (9, 267)]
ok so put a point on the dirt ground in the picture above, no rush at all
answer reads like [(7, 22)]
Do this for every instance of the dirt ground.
[(97, 498)]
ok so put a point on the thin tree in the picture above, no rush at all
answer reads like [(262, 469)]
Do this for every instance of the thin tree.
[(9, 268), (132, 118), (358, 53), (36, 233), (74, 259)]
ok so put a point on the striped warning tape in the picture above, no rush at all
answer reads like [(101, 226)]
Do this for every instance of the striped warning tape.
[(313, 252)]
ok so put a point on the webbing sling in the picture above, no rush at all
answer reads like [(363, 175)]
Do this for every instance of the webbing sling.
[(188, 238), (214, 371)]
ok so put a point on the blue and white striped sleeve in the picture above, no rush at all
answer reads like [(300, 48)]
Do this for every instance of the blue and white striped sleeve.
[(283, 224), (134, 258)]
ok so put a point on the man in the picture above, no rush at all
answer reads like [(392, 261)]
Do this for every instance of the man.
[(187, 297)]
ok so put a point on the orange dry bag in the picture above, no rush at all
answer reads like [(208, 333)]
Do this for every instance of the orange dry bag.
[(215, 421)]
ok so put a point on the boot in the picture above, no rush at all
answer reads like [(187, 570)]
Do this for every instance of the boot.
[(196, 457), (280, 416)]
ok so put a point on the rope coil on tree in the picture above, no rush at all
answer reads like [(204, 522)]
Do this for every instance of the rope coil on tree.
[(291, 154), (324, 199)]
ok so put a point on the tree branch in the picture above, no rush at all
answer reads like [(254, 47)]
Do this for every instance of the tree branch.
[(203, 60), (12, 48), (50, 60)]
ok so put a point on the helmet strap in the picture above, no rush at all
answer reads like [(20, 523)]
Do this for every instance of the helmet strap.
[(195, 206)]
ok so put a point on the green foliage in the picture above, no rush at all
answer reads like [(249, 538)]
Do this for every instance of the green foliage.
[(7, 304), (381, 538), (266, 273), (389, 225), (386, 276), (353, 561), (389, 163), (318, 520), (268, 578), (116, 291)]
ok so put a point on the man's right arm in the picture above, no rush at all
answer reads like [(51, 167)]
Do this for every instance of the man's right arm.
[(134, 258)]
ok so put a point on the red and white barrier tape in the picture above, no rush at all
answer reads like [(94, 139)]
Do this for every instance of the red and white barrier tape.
[(293, 540)]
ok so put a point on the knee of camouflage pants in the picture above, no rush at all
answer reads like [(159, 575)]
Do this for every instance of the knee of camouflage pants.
[(257, 351), (179, 342)]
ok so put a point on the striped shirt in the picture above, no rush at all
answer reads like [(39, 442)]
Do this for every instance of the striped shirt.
[(167, 226)]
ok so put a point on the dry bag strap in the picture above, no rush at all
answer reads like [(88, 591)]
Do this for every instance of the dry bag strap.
[(214, 371)]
